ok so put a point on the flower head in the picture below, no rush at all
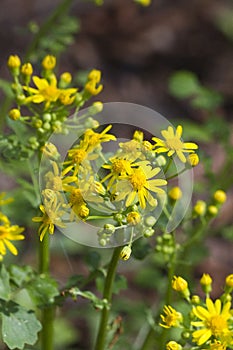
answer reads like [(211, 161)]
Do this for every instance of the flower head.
[(137, 185), (171, 317), (229, 281), (46, 91), (51, 216), (172, 144), (213, 321), (9, 233)]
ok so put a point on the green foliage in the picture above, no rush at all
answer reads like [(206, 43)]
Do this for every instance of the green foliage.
[(19, 325), (54, 35), (185, 84)]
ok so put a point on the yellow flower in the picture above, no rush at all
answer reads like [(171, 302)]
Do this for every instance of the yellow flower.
[(213, 321), (171, 317), (220, 196), (52, 216), (138, 184), (57, 180), (93, 139), (172, 143), (92, 88), (173, 345), (14, 114), (118, 167), (9, 233), (46, 91), (49, 62), (175, 193)]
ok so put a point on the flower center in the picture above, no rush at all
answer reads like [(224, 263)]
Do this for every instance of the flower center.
[(57, 183), (3, 232), (76, 197), (79, 156), (50, 93), (217, 324), (138, 179), (174, 143), (94, 140), (120, 166)]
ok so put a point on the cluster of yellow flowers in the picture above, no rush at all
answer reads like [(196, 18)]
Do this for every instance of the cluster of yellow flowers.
[(8, 232), (207, 324), (126, 190), (49, 100)]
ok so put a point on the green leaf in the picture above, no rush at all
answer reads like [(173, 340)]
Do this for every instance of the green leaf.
[(119, 284), (43, 289), (19, 326), (141, 248), (20, 274), (5, 288), (183, 84), (207, 99)]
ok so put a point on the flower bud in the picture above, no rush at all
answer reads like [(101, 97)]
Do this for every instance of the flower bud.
[(27, 69), (49, 62), (14, 114), (175, 193), (220, 196), (173, 345), (200, 208), (109, 228), (193, 159), (65, 78), (161, 160), (229, 281), (206, 283), (148, 232), (13, 64), (133, 218), (125, 253), (195, 299), (150, 221), (94, 75), (181, 285), (212, 210)]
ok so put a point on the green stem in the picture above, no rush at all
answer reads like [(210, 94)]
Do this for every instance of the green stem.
[(107, 294), (48, 313), (44, 256), (151, 332)]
